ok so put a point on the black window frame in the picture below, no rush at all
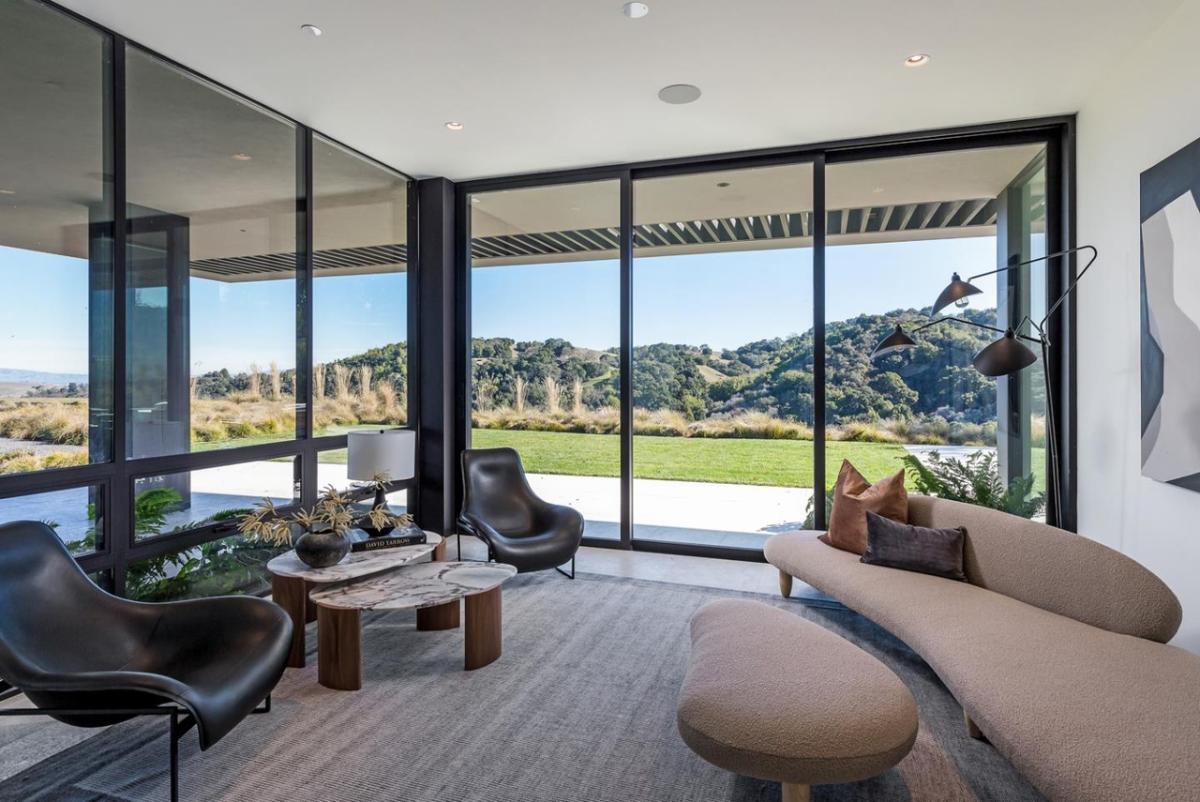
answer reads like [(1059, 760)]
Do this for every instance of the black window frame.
[(118, 547)]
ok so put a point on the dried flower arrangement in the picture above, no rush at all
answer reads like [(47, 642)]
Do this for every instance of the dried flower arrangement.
[(332, 513)]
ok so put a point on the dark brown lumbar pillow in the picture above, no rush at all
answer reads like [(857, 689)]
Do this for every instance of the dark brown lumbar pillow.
[(853, 497), (915, 548)]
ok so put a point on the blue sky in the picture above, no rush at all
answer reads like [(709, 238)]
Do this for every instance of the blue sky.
[(723, 300), (720, 299)]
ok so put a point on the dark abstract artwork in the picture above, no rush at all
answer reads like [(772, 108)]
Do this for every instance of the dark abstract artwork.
[(1170, 194)]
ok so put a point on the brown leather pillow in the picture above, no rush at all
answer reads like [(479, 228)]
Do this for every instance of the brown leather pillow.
[(853, 498)]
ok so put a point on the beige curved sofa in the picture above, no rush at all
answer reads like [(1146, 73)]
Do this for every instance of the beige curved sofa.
[(1055, 647)]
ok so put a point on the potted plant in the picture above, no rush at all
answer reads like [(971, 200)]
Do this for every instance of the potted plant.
[(323, 529)]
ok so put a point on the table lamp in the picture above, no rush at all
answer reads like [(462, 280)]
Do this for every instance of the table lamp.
[(380, 456)]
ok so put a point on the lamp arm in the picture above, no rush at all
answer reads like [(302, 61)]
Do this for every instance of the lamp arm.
[(966, 322), (1036, 259), (1070, 287)]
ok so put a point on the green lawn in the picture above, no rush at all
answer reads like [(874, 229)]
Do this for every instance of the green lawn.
[(779, 463)]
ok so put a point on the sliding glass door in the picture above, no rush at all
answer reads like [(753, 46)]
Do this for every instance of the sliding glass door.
[(899, 229), (688, 352), (723, 355), (545, 368)]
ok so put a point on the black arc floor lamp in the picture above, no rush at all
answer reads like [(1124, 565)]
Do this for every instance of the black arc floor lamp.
[(1006, 355)]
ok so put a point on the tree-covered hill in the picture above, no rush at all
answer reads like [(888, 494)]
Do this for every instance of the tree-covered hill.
[(388, 363), (773, 376)]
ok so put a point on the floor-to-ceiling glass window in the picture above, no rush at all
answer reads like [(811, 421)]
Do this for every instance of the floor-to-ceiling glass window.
[(545, 367), (143, 480), (210, 290), (723, 355), (56, 232), (211, 265), (898, 230), (724, 369), (360, 292)]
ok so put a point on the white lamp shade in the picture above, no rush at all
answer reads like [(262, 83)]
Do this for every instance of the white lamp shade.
[(390, 453)]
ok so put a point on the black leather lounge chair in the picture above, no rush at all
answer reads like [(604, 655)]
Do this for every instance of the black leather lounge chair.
[(501, 509), (88, 658)]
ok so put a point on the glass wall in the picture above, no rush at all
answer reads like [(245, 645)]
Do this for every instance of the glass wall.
[(210, 265), (56, 227), (76, 515), (898, 230), (723, 355), (725, 324), (360, 284), (545, 327), (223, 567), (182, 500)]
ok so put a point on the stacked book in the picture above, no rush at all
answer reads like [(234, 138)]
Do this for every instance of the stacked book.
[(407, 538)]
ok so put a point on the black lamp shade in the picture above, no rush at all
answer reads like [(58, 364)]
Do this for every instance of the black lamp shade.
[(1004, 356), (956, 290), (893, 342)]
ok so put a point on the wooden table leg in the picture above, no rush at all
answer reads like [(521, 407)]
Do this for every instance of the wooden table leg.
[(291, 594), (482, 629), (796, 793), (310, 609), (439, 616), (439, 551), (339, 649)]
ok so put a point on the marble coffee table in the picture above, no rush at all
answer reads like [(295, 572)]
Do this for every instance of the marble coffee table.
[(292, 580), (433, 589)]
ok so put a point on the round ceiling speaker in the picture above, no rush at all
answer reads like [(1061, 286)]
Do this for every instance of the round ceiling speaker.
[(678, 94)]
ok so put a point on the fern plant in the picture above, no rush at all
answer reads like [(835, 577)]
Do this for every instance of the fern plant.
[(974, 479), (150, 509)]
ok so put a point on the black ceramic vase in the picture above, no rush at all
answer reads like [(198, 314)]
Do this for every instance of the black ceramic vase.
[(322, 549)]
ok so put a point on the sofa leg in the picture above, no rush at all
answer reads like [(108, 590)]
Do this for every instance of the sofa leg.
[(785, 584), (794, 792), (972, 728)]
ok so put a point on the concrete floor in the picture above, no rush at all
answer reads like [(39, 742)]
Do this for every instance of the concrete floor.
[(26, 741)]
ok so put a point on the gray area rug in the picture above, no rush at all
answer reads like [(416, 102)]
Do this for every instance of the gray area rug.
[(581, 706)]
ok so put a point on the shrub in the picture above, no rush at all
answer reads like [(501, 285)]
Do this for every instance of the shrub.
[(751, 425), (58, 421), (863, 432), (975, 480), (25, 461)]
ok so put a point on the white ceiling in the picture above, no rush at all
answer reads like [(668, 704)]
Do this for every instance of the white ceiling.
[(544, 84)]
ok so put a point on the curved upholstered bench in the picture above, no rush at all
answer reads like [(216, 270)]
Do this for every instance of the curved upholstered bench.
[(773, 696), (1054, 646)]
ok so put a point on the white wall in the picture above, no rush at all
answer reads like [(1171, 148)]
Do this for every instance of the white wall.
[(1145, 108)]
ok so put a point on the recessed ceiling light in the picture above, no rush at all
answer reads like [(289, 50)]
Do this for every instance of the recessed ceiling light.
[(311, 30), (241, 157), (8, 192), (877, 190), (678, 94), (722, 184), (917, 60), (635, 10), (455, 125)]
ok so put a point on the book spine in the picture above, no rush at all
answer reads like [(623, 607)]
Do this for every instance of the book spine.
[(376, 543)]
